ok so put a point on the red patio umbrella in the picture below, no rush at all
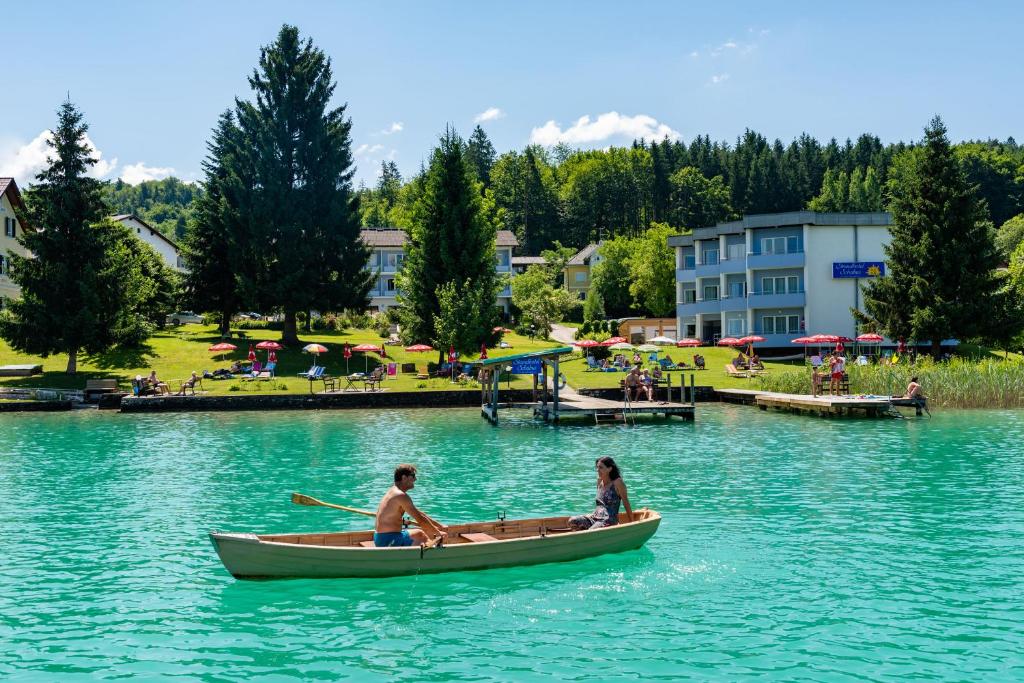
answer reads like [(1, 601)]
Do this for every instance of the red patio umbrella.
[(269, 347), (222, 347), (365, 349), (870, 338), (419, 348), (503, 330), (383, 352), (752, 339), (346, 353), (688, 342), (614, 340), (252, 352), (729, 341)]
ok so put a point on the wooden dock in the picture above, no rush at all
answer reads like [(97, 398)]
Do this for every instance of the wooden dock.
[(598, 410), (869, 406)]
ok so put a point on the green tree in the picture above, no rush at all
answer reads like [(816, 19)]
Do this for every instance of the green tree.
[(538, 299), (480, 155), (450, 242), (593, 305), (212, 248), (555, 260), (463, 311), (652, 271), (69, 303), (835, 192), (696, 201), (611, 275), (941, 257), (389, 182), (299, 203), (524, 187), (1009, 235)]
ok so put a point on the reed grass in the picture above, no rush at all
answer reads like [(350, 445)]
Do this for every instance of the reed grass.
[(958, 383)]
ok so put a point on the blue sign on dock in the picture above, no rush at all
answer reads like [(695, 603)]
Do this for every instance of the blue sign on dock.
[(526, 366), (858, 269)]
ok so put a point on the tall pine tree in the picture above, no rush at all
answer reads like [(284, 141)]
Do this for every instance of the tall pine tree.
[(299, 203), (451, 248), (481, 155), (941, 259)]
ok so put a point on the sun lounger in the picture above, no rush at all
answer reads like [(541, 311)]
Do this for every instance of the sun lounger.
[(731, 371)]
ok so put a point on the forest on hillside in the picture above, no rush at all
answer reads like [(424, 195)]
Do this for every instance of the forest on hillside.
[(164, 204), (579, 196)]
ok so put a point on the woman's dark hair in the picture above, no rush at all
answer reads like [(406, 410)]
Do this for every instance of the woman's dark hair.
[(610, 464), (914, 378)]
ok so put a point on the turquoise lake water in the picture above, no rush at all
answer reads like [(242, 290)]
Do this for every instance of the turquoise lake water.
[(792, 548)]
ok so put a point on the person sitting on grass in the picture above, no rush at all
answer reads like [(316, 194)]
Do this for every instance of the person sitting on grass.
[(190, 383), (388, 531), (157, 386), (698, 361)]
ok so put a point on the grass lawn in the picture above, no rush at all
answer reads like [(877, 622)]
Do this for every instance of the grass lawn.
[(175, 353), (716, 358)]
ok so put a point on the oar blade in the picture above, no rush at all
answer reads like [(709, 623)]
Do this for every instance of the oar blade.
[(302, 499)]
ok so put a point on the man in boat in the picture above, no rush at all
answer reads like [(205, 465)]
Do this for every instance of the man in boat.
[(388, 532)]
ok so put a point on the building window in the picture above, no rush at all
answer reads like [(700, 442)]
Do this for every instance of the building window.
[(10, 227), (689, 296), (391, 284), (689, 262), (581, 278), (3, 265), (710, 257), (736, 252), (502, 258), (710, 292), (736, 327), (780, 245), (780, 324), (737, 290), (780, 285)]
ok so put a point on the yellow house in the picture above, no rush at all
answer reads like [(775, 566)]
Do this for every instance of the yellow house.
[(640, 330), (10, 198), (578, 273)]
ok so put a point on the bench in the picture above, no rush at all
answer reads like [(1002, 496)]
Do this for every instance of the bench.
[(478, 537), (20, 370), (368, 544), (94, 388)]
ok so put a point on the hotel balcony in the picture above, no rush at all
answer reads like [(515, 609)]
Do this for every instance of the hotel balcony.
[(790, 260), (783, 340), (698, 307), (686, 274), (733, 265), (708, 269), (787, 300), (733, 303)]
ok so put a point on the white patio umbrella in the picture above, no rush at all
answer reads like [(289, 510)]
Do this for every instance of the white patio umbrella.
[(621, 346), (667, 341), (648, 348)]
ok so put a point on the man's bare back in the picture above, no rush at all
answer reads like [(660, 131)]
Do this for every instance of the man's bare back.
[(391, 510)]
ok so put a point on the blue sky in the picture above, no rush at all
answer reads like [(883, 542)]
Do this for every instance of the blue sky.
[(151, 78)]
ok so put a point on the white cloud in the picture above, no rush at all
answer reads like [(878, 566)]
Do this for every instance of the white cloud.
[(489, 114), (728, 45), (610, 124), (133, 174), (695, 54), (395, 127), (719, 78), (365, 150), (24, 161)]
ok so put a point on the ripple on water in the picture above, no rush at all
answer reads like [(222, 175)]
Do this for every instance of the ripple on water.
[(791, 548)]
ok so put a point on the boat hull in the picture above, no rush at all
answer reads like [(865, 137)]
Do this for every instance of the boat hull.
[(248, 556)]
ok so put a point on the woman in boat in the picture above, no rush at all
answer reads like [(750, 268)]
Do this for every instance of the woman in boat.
[(611, 491)]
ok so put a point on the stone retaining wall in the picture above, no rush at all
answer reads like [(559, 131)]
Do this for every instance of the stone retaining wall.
[(33, 406), (376, 399)]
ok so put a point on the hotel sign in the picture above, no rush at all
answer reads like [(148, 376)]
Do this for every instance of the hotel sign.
[(858, 269), (526, 366)]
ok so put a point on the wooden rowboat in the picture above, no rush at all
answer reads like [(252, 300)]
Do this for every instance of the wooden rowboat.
[(478, 545)]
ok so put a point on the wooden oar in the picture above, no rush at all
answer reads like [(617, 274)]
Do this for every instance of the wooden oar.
[(303, 499)]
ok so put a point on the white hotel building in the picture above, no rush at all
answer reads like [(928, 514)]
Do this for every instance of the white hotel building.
[(780, 276), (388, 253)]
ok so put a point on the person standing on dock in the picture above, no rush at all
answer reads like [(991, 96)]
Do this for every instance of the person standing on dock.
[(838, 366), (388, 531)]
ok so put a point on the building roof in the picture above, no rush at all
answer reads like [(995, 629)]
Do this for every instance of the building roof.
[(122, 217), (10, 188), (769, 220), (528, 260), (395, 237), (582, 257)]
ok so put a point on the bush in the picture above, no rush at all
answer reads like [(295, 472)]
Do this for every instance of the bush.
[(359, 321), (421, 385), (381, 326), (330, 322)]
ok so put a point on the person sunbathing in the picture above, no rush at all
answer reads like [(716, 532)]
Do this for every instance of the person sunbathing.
[(389, 531)]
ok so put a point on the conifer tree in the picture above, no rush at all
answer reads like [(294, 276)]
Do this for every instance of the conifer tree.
[(941, 260), (450, 245), (298, 202), (76, 293), (214, 244), (481, 155)]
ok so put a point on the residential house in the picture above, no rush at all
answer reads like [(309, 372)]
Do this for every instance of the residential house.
[(579, 270), (521, 263), (388, 253), (163, 245), (10, 199)]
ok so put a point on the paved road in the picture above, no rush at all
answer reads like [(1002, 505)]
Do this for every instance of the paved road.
[(562, 333)]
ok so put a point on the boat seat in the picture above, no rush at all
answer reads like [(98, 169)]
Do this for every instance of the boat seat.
[(478, 538), (368, 544)]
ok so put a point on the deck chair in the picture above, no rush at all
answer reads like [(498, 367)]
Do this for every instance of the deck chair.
[(731, 371), (271, 367), (592, 364), (313, 373)]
